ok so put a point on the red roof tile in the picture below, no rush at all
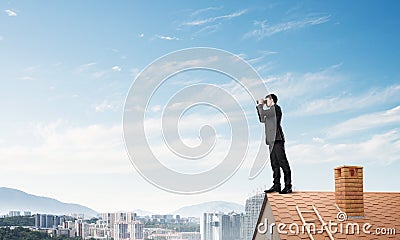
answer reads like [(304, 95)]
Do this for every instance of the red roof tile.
[(381, 212)]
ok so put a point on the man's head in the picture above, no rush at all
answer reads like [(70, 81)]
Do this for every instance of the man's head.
[(271, 99)]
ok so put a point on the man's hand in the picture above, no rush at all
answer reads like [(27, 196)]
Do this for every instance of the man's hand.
[(261, 101)]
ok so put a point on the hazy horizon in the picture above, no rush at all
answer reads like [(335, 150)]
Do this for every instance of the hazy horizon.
[(67, 67)]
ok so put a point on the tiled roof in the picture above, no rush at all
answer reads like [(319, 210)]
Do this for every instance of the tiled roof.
[(382, 210)]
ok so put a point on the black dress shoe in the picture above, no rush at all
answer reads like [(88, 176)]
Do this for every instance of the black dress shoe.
[(286, 190), (273, 189)]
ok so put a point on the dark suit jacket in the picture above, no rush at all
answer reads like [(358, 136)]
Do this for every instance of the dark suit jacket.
[(272, 120)]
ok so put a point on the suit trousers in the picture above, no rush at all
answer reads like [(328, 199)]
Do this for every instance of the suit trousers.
[(279, 160)]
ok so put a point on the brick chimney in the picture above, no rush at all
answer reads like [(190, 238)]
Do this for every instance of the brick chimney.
[(349, 194)]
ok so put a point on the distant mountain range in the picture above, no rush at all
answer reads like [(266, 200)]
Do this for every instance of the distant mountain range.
[(214, 206), (16, 200)]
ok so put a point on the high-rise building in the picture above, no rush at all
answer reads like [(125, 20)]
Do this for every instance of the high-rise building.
[(252, 211), (110, 219), (131, 217), (49, 221), (129, 231), (79, 228), (237, 221), (208, 222), (14, 213), (136, 230), (220, 226), (43, 221), (121, 231)]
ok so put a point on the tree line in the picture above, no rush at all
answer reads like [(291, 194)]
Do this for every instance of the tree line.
[(20, 233)]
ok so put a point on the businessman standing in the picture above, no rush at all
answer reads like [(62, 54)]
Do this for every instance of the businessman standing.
[(271, 117)]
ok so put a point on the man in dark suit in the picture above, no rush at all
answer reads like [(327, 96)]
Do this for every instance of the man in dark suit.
[(275, 139)]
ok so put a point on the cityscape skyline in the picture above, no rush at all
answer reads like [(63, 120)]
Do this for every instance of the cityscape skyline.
[(223, 225), (67, 68), (210, 225)]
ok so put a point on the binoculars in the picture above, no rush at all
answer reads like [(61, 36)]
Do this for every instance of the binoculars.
[(265, 100)]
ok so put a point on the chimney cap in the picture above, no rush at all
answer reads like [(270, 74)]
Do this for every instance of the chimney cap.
[(348, 166)]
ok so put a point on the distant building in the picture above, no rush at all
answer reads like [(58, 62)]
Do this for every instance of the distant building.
[(27, 213), (129, 231), (47, 221), (14, 213), (189, 236), (176, 236), (70, 225), (62, 232), (79, 228), (209, 221), (252, 211), (193, 220), (99, 230), (110, 219), (78, 215), (220, 226), (44, 221), (163, 218), (121, 231), (161, 233)]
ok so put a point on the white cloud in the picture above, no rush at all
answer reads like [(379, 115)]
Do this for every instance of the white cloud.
[(134, 72), (381, 149), (318, 140), (187, 82), (365, 122), (31, 68), (343, 103), (86, 66), (26, 78), (95, 71), (294, 86), (61, 148), (188, 129), (155, 108), (264, 30), (1, 38), (104, 106), (158, 69), (169, 38), (99, 74), (259, 58), (10, 13), (208, 29), (214, 19), (116, 68), (199, 11), (300, 90), (89, 64)]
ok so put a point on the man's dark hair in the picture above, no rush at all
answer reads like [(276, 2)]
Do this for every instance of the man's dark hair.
[(273, 97)]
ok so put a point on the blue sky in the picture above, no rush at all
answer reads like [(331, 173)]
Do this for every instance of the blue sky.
[(67, 67)]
